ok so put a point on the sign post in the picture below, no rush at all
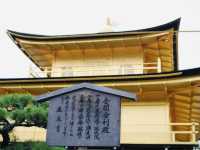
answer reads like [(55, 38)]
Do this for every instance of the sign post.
[(84, 115)]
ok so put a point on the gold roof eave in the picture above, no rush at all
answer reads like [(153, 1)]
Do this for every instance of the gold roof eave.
[(35, 49), (166, 79), (35, 46)]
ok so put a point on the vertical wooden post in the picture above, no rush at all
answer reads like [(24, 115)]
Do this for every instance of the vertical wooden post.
[(193, 132), (173, 136), (159, 65)]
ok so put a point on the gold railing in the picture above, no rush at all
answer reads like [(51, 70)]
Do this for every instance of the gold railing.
[(172, 133), (92, 70), (39, 134), (192, 131)]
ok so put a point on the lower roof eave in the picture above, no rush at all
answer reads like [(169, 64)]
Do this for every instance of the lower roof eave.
[(190, 76), (179, 75)]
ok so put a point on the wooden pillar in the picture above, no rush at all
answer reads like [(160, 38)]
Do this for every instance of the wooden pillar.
[(193, 132)]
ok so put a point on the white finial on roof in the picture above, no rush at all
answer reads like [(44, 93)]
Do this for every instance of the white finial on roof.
[(108, 21), (108, 26)]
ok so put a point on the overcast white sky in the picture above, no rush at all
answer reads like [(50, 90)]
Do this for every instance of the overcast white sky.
[(87, 16)]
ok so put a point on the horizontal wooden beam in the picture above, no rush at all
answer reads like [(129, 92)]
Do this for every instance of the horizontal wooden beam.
[(182, 110), (182, 98), (181, 104)]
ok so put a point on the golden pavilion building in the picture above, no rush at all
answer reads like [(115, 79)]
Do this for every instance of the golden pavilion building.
[(167, 113)]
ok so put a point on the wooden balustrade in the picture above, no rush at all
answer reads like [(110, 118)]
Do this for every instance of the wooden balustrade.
[(94, 70), (192, 131), (171, 133)]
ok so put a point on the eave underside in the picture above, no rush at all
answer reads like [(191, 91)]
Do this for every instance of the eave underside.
[(152, 47), (160, 41)]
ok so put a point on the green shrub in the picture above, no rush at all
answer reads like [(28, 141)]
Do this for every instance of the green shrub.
[(20, 110), (31, 146)]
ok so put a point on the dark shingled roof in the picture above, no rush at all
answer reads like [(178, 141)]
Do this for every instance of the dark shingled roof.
[(173, 24), (45, 97)]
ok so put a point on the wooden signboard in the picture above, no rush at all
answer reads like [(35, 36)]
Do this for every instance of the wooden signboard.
[(85, 116)]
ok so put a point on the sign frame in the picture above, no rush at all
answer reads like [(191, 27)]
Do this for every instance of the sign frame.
[(110, 139)]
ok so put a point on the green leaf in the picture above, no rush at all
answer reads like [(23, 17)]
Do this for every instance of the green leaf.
[(18, 115), (22, 108), (3, 114)]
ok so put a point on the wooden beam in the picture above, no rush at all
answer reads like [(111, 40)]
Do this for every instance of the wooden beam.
[(181, 110), (182, 98), (180, 115), (182, 120), (183, 105), (184, 91), (196, 90), (195, 110), (196, 98), (166, 52), (195, 116), (166, 60)]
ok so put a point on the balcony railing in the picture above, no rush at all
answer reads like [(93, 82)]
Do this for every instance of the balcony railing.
[(172, 133), (191, 130), (185, 133), (94, 70)]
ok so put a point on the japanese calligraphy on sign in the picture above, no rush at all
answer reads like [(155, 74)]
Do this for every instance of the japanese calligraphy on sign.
[(84, 116)]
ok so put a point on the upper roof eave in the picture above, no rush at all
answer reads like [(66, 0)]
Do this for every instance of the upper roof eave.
[(33, 37), (13, 34)]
